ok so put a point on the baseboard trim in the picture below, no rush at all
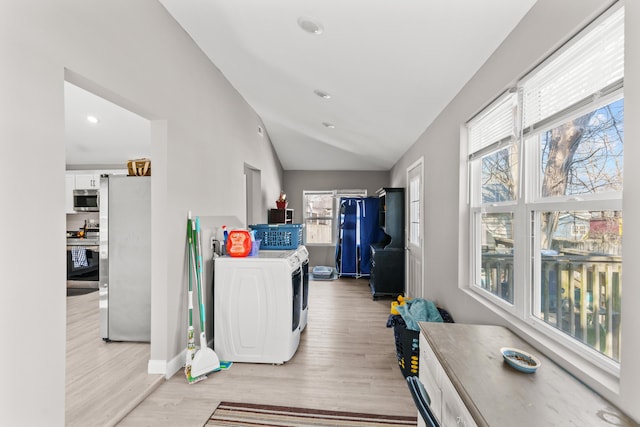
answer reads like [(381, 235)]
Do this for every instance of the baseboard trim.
[(168, 369)]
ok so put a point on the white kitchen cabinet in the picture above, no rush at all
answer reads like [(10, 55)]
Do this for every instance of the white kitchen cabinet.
[(430, 373), (87, 181), (83, 181), (479, 389), (454, 411), (446, 405)]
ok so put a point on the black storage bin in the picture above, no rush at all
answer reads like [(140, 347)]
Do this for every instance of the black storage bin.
[(407, 347), (408, 342)]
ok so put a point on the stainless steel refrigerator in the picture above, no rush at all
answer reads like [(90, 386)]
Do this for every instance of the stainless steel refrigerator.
[(125, 258)]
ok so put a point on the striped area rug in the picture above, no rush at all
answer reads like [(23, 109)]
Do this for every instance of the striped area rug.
[(229, 414)]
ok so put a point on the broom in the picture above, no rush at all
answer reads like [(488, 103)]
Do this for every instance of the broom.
[(205, 359), (191, 343)]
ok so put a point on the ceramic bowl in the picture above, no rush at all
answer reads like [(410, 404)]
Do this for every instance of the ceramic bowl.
[(520, 360)]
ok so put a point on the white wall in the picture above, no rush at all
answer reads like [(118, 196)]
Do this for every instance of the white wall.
[(548, 24), (295, 182), (133, 54)]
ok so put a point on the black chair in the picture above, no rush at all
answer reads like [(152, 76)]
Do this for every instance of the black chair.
[(422, 401)]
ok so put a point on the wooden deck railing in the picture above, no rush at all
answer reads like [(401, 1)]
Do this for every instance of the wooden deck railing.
[(579, 294)]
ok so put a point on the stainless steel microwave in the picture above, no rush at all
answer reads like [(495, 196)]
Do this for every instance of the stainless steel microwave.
[(86, 200)]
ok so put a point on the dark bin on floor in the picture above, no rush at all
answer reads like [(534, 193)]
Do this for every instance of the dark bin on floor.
[(408, 342)]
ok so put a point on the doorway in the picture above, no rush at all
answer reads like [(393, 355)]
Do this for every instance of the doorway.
[(253, 194), (100, 137), (415, 273)]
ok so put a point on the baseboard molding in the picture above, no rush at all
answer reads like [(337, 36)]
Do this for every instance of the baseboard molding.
[(168, 369)]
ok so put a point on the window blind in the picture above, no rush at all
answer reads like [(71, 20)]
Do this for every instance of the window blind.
[(350, 193), (581, 69), (494, 124)]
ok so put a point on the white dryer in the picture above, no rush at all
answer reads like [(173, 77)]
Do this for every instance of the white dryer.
[(303, 256), (257, 307)]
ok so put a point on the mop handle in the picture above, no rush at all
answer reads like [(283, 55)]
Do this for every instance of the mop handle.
[(197, 246), (190, 339)]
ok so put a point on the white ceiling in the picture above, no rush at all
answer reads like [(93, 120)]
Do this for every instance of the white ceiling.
[(119, 135), (390, 68)]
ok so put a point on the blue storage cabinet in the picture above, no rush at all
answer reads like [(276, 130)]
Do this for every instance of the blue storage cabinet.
[(370, 232), (347, 251), (358, 227)]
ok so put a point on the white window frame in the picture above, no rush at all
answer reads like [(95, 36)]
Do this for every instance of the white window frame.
[(521, 312), (610, 201), (334, 218)]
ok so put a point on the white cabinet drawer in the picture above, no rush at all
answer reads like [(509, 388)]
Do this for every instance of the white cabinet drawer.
[(430, 373), (454, 411), (446, 404), (430, 361)]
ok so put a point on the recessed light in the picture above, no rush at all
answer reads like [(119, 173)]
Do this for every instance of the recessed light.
[(93, 120), (321, 94), (328, 125), (310, 26)]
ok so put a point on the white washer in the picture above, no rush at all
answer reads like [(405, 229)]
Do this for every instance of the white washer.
[(257, 307), (303, 256)]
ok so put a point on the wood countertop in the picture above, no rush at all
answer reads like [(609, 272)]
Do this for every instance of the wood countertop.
[(497, 395)]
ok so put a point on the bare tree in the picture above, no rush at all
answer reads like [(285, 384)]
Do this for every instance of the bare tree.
[(581, 156), (499, 175), (563, 143)]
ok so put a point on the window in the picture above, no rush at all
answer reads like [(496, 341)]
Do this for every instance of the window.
[(494, 165), (318, 217), (576, 216), (546, 177), (414, 210), (320, 214)]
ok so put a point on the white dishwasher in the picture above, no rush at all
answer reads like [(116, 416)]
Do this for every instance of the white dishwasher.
[(257, 307)]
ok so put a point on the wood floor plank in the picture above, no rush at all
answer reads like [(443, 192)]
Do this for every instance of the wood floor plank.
[(346, 362), (104, 381)]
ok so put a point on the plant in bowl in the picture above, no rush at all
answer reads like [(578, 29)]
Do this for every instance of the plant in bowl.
[(281, 203)]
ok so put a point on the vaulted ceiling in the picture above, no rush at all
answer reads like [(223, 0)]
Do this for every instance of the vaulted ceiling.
[(347, 84)]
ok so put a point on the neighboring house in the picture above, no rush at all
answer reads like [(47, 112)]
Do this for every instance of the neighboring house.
[(135, 54)]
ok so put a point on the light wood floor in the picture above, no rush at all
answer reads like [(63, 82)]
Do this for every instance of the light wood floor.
[(104, 381), (346, 361)]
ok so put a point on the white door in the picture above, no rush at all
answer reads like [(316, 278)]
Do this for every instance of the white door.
[(253, 195), (414, 235)]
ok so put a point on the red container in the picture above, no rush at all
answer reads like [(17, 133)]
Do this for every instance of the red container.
[(281, 205), (239, 243)]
